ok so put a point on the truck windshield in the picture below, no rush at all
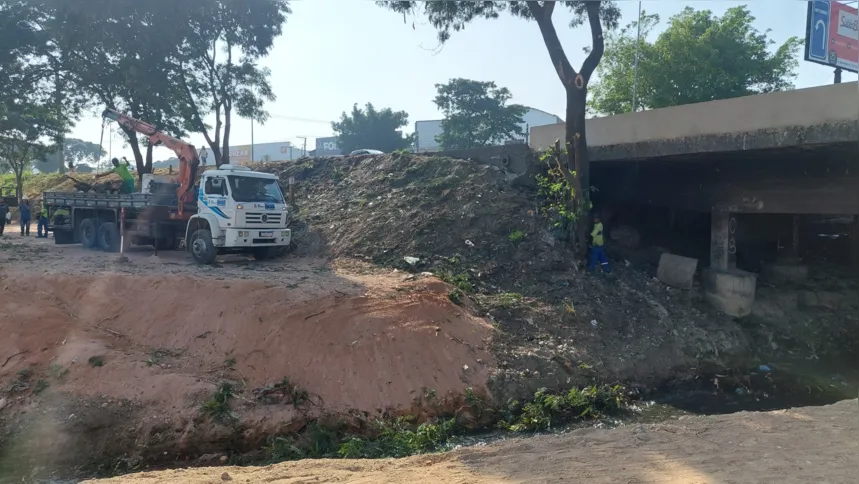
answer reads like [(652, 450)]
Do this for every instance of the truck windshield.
[(253, 189)]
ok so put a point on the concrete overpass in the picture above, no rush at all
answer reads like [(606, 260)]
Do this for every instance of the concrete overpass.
[(794, 152), (812, 116)]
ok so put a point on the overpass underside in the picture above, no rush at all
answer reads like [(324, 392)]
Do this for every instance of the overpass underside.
[(749, 196)]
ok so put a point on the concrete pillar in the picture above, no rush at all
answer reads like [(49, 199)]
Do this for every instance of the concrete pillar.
[(719, 239), (788, 268)]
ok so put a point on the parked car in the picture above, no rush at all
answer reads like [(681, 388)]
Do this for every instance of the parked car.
[(366, 152)]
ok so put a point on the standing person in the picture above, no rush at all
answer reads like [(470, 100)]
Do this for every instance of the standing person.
[(25, 213), (597, 248), (124, 173), (3, 211), (203, 155), (43, 222)]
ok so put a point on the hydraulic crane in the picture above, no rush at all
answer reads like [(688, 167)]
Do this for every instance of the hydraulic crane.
[(189, 161)]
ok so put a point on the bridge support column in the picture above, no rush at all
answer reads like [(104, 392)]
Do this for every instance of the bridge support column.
[(726, 288), (854, 242)]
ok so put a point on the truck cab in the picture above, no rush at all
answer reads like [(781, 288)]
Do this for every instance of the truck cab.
[(238, 210)]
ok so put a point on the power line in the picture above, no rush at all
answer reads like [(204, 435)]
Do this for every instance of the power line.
[(296, 118)]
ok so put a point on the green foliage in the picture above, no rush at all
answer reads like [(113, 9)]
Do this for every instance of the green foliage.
[(547, 409), (476, 114), (96, 361), (369, 128), (698, 57), (399, 438), (509, 299), (455, 15), (75, 152), (557, 196), (218, 406), (458, 281), (516, 236)]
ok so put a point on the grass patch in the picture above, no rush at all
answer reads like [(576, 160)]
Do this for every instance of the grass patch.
[(218, 407), (516, 236), (509, 299), (230, 363), (96, 361), (399, 438), (57, 371)]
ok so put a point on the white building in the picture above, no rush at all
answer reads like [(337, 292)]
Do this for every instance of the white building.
[(427, 130)]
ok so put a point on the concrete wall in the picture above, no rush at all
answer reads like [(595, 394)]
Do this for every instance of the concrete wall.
[(519, 158), (836, 104)]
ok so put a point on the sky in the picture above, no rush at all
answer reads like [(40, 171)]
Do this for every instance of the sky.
[(335, 53)]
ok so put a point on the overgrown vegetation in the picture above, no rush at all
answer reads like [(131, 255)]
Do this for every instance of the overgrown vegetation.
[(548, 410), (218, 406), (403, 436), (460, 284), (96, 361), (516, 236)]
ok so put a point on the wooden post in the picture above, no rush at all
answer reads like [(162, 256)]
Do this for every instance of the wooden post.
[(291, 190)]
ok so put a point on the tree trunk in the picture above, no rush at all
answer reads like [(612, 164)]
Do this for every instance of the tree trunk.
[(225, 151), (147, 167), (578, 162), (19, 183)]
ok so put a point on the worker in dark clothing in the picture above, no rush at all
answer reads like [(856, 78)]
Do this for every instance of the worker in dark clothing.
[(25, 213), (42, 222), (597, 247), (4, 209)]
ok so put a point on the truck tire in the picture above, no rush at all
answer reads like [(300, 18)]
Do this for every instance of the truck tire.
[(202, 248), (263, 253), (108, 237), (64, 237), (88, 233)]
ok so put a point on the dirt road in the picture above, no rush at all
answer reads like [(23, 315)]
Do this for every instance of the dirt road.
[(812, 444)]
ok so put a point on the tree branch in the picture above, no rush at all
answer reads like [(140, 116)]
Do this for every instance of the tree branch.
[(543, 16), (593, 59)]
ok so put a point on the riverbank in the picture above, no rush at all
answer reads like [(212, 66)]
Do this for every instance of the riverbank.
[(801, 445)]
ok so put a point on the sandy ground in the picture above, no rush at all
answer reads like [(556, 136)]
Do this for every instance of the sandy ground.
[(812, 444), (358, 339)]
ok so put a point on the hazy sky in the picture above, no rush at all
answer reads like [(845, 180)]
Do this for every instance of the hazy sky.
[(335, 53)]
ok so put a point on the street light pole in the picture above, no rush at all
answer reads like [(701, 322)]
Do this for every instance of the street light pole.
[(635, 69)]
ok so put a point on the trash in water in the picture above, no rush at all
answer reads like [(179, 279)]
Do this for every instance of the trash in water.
[(411, 260)]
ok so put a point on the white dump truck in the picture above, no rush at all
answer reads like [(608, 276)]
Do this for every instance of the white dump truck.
[(232, 210)]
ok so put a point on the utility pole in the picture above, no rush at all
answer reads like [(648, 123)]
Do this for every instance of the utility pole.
[(252, 140), (304, 148), (635, 69), (837, 75)]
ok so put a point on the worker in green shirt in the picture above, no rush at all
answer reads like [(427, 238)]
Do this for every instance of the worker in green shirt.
[(43, 222), (597, 249), (124, 173)]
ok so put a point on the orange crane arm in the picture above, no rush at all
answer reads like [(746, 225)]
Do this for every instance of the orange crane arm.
[(189, 161)]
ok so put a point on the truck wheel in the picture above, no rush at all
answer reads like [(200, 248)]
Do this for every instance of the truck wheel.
[(88, 233), (262, 253), (63, 237), (108, 237), (202, 248)]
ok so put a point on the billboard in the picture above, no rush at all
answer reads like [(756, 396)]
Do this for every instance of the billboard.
[(327, 146), (832, 35)]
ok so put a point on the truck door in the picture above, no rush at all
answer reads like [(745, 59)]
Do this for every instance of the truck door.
[(215, 195)]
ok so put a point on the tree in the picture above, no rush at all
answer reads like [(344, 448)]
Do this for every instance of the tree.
[(28, 121), (698, 57), (217, 64), (72, 150), (371, 129), (454, 15), (476, 114)]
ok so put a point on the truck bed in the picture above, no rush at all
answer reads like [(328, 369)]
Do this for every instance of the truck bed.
[(99, 200)]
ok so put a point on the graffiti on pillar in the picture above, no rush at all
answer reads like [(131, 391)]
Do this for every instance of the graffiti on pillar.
[(732, 229)]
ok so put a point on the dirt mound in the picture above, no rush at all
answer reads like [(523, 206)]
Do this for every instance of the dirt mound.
[(468, 223), (87, 356), (814, 444)]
